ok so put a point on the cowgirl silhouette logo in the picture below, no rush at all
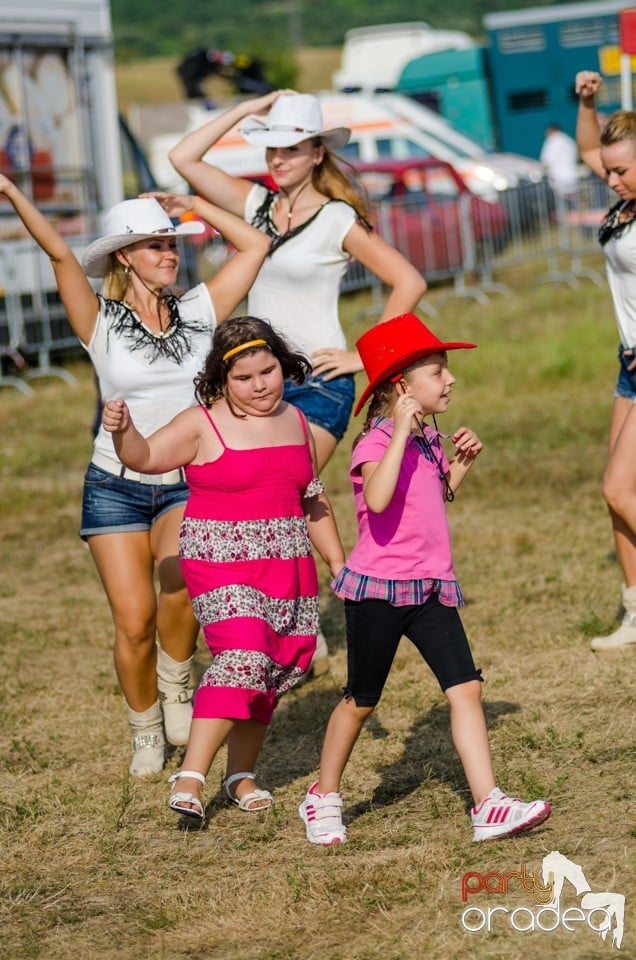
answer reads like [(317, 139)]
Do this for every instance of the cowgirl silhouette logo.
[(602, 912)]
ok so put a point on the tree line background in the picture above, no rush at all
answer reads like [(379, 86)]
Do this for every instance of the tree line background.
[(147, 28)]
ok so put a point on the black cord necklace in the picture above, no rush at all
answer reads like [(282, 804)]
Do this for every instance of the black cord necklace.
[(449, 494)]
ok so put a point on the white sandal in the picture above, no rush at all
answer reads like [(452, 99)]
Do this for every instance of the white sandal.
[(245, 802), (196, 811)]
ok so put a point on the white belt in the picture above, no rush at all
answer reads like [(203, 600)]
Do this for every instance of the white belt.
[(119, 470)]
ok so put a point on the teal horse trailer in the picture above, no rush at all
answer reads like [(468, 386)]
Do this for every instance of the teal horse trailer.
[(454, 83), (532, 57)]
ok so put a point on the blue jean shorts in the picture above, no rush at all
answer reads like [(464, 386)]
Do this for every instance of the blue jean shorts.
[(626, 383), (112, 504), (326, 403)]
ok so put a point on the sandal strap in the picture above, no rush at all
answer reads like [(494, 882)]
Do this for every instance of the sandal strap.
[(178, 798), (245, 775), (245, 802), (194, 774)]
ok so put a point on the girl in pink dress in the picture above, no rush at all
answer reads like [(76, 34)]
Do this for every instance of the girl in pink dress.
[(255, 508)]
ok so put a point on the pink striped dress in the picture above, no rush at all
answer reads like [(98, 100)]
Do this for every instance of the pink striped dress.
[(248, 566)]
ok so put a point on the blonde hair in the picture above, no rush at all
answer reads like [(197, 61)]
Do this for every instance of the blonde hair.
[(620, 126), (330, 177), (116, 279), (381, 405)]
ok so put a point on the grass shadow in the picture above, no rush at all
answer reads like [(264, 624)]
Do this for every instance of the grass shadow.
[(428, 757)]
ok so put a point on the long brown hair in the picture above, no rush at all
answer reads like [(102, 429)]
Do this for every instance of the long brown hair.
[(337, 179)]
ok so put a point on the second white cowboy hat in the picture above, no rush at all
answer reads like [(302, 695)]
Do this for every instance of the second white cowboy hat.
[(126, 223), (292, 118)]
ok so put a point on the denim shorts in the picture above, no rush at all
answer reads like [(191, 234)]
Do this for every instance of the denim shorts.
[(626, 383), (325, 403), (113, 504)]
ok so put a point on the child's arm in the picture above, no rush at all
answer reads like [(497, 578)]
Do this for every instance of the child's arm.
[(323, 532), (78, 297), (379, 480), (321, 525), (172, 446), (467, 447)]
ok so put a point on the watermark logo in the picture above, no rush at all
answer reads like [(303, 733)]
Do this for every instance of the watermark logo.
[(601, 912)]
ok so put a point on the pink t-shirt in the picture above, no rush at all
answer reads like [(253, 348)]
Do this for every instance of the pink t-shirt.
[(410, 539)]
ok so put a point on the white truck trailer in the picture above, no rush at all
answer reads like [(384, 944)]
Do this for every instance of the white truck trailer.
[(61, 142)]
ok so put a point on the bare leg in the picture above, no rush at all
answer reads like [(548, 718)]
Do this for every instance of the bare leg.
[(206, 738), (244, 746), (470, 736), (343, 730), (176, 624), (125, 564), (619, 486)]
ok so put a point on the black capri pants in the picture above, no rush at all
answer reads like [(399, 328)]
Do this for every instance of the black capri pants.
[(374, 630)]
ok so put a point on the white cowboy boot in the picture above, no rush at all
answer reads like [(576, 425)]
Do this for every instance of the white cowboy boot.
[(175, 694), (626, 633), (320, 661), (149, 744)]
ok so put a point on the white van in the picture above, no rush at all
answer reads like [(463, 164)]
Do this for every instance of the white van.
[(373, 57), (383, 127)]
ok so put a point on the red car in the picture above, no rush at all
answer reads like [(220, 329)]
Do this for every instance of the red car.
[(423, 207)]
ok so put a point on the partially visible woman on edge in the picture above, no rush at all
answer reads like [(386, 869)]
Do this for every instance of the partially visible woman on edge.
[(611, 153), (147, 345), (317, 221)]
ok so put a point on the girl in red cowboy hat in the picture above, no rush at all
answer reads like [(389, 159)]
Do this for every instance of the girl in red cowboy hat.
[(399, 579)]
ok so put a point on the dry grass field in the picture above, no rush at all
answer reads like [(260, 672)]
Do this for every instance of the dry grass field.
[(93, 865)]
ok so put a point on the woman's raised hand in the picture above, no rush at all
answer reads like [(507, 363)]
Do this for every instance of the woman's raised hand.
[(587, 83), (5, 183), (175, 204), (263, 104)]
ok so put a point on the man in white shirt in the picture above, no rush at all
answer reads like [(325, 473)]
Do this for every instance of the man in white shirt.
[(560, 156)]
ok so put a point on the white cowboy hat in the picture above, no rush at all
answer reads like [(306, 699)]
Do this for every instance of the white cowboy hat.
[(292, 118), (126, 223)]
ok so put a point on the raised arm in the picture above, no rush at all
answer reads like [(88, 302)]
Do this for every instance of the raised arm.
[(379, 478), (172, 446), (187, 157), (586, 84), (232, 282), (78, 297), (467, 447)]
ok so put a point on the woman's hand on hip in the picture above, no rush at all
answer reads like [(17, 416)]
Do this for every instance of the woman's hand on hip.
[(330, 362)]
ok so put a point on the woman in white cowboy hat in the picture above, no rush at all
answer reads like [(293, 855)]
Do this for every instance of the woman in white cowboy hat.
[(147, 344), (317, 221)]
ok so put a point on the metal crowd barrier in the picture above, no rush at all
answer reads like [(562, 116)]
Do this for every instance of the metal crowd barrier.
[(461, 242), (465, 241)]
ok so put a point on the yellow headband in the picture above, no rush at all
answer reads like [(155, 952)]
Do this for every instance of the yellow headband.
[(244, 346)]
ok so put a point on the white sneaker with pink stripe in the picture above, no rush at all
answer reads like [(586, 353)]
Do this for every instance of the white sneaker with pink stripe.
[(322, 816), (501, 816)]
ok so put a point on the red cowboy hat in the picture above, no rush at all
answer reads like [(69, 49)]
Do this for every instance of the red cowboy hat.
[(389, 347)]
